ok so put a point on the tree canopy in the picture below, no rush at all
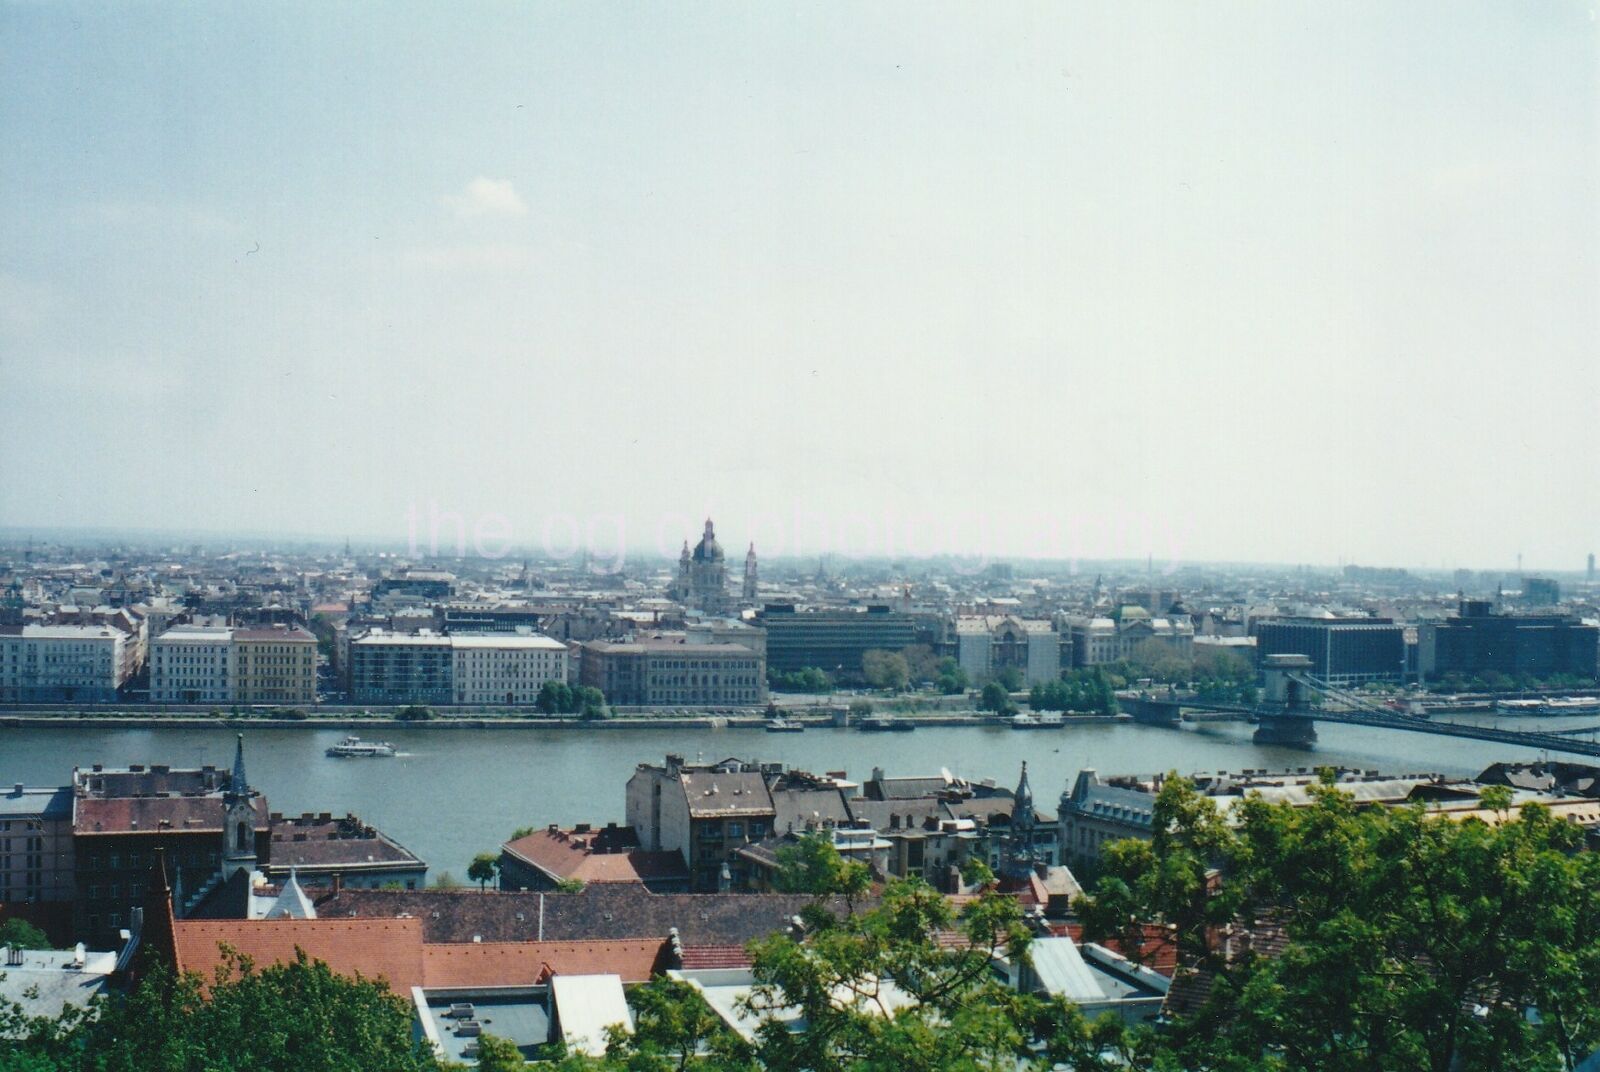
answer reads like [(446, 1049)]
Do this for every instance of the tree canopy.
[(294, 1017), (1340, 937), (20, 934)]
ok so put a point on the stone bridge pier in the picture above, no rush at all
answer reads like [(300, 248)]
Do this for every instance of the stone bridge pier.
[(1285, 715)]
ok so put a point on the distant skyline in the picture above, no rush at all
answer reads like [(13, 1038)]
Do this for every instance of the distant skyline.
[(1236, 282)]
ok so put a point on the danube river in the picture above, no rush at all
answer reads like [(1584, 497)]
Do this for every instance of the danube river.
[(455, 792)]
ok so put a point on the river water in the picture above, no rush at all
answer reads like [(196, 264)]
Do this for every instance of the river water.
[(456, 792)]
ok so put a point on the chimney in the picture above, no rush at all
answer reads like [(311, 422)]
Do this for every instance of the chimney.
[(338, 882)]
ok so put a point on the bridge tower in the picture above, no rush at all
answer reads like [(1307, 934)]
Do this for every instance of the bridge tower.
[(1285, 715)]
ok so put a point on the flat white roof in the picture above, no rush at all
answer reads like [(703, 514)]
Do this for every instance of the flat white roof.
[(198, 633), (507, 640), (586, 1005), (70, 632)]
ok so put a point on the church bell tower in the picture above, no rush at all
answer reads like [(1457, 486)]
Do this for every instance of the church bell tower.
[(239, 820)]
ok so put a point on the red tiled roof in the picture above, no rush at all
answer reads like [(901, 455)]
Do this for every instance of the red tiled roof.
[(1160, 951), (715, 956), (567, 855), (525, 963), (386, 949), (146, 815)]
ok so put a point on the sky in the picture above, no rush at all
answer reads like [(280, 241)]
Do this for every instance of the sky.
[(1270, 282)]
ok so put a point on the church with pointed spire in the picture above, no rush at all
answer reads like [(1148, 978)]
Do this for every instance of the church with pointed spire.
[(240, 819)]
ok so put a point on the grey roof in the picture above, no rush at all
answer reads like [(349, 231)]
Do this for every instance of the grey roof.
[(793, 808), (46, 982), (1062, 971), (44, 803)]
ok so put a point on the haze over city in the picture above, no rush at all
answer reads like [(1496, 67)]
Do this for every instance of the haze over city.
[(1287, 283)]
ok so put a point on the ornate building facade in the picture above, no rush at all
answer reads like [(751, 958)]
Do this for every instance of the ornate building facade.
[(703, 575)]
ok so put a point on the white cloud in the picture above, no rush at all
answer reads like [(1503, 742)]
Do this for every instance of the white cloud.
[(487, 197)]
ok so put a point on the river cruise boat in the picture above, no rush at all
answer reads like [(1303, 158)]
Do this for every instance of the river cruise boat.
[(1555, 705), (356, 748)]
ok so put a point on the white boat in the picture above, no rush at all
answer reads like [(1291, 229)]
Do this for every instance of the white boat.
[(784, 725), (355, 748), (1024, 721), (1572, 705)]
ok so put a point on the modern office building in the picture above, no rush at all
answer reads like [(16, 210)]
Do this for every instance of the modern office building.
[(1541, 591), (402, 668), (1479, 641), (832, 639), (1343, 651), (62, 663)]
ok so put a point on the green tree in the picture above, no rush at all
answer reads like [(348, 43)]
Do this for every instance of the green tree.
[(483, 868), (995, 698), (20, 934), (806, 679), (675, 1029), (589, 702), (414, 713), (496, 1054), (921, 663), (555, 697), (812, 864), (1010, 678), (289, 1017), (885, 669), (951, 678), (1401, 940)]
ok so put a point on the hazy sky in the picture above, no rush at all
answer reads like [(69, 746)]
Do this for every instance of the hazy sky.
[(1266, 281)]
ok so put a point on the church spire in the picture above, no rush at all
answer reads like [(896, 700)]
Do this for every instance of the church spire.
[(239, 822), (239, 785)]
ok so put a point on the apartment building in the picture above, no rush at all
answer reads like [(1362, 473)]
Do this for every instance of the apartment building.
[(35, 844), (192, 664), (62, 663), (274, 666), (504, 668)]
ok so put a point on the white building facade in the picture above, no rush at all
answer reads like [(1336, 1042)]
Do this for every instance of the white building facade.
[(192, 664), (62, 663), (505, 668), (987, 645)]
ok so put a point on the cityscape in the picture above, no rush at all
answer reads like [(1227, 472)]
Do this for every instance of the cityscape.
[(799, 539)]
